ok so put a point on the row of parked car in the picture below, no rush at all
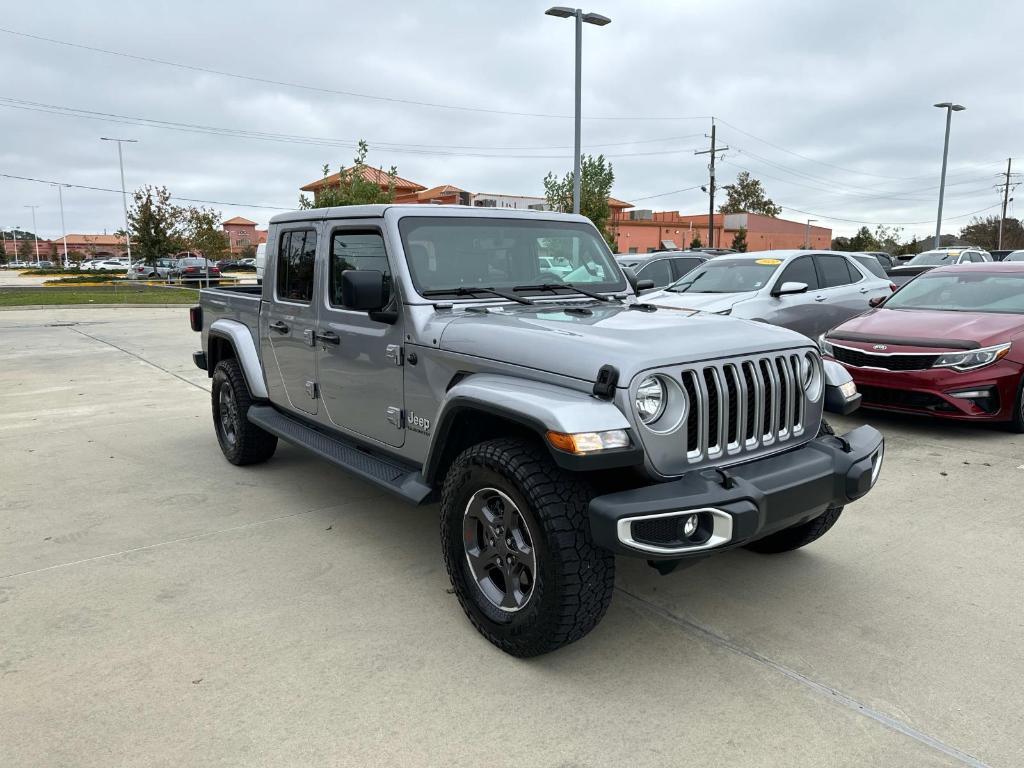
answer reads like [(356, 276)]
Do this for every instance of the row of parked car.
[(942, 334)]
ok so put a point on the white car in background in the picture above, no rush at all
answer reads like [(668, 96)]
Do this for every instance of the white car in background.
[(104, 265), (261, 261)]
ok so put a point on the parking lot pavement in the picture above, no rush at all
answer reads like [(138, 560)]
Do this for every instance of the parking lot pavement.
[(159, 606)]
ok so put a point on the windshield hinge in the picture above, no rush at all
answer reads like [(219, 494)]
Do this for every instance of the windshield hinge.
[(607, 380), (394, 352)]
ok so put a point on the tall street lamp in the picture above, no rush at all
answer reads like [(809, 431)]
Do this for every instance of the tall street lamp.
[(950, 108), (596, 19), (63, 229), (807, 237), (124, 194), (35, 233)]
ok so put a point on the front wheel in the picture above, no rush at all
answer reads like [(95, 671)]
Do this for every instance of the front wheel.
[(241, 441), (518, 550)]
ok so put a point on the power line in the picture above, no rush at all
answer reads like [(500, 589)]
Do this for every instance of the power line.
[(331, 91), (173, 197), (421, 149), (664, 194), (888, 223)]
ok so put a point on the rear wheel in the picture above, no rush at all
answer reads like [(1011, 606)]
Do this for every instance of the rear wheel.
[(801, 535), (241, 441), (518, 551)]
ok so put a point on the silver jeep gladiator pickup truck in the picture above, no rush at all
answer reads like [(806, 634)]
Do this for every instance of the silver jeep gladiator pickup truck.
[(558, 419)]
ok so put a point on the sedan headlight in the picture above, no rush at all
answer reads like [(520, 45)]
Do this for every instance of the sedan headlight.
[(825, 346), (650, 399), (975, 358)]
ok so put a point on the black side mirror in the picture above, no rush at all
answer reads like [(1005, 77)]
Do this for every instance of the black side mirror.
[(630, 277), (644, 285), (877, 301), (362, 290)]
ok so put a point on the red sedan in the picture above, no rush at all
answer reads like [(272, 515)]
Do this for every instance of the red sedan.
[(950, 344)]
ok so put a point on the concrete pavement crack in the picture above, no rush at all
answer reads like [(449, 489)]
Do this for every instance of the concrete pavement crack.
[(827, 691), (139, 357)]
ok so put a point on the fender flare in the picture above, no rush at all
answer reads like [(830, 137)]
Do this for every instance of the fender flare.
[(240, 337), (541, 408)]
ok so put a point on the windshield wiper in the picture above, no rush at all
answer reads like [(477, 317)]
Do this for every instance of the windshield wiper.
[(464, 291), (571, 286)]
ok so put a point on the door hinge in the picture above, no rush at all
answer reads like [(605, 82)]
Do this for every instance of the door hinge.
[(395, 416), (309, 334), (394, 352), (312, 390)]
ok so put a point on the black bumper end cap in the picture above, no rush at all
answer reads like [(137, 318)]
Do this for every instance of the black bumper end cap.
[(199, 358), (835, 402)]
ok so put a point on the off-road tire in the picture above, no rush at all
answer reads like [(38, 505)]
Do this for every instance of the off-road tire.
[(803, 534), (1016, 423), (242, 442), (573, 580)]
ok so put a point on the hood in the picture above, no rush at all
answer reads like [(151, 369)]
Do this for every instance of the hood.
[(930, 328), (577, 343), (705, 302)]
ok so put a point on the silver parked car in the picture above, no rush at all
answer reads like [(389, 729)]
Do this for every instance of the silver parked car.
[(809, 292), (661, 267), (161, 268)]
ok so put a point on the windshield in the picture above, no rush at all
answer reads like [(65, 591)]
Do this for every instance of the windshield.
[(450, 253), (935, 257), (963, 292), (724, 275), (1015, 256)]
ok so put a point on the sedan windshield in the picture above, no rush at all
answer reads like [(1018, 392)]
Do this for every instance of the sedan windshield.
[(934, 258), (449, 253), (963, 292), (724, 275), (1015, 256)]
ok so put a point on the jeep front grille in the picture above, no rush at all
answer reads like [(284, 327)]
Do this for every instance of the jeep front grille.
[(735, 408)]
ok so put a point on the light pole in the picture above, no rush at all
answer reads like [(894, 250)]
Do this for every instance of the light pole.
[(807, 237), (63, 229), (35, 234), (950, 108), (596, 19), (124, 194)]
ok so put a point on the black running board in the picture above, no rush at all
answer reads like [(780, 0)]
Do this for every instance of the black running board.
[(391, 476)]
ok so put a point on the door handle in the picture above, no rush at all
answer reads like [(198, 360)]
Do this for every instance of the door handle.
[(820, 298), (864, 290), (328, 337), (278, 326)]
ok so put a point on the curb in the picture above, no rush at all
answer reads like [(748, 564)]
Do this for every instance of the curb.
[(94, 306)]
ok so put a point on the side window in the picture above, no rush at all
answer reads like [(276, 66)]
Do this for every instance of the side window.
[(361, 249), (835, 271), (682, 266), (800, 271), (873, 266), (659, 271), (296, 260)]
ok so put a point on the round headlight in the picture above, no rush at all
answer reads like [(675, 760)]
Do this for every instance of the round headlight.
[(650, 399), (811, 376)]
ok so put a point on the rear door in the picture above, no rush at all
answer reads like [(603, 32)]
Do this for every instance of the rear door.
[(288, 320), (360, 360), (844, 291)]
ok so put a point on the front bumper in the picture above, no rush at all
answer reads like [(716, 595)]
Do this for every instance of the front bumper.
[(934, 391), (741, 504)]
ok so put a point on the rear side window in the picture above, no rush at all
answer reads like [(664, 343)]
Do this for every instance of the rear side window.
[(359, 249), (682, 266), (659, 271), (835, 271), (871, 264), (296, 260), (800, 271)]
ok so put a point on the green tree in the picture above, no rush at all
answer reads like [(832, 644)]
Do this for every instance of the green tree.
[(200, 231), (747, 195), (864, 241), (984, 232), (26, 248), (248, 252), (696, 244), (841, 243), (888, 239), (596, 179), (155, 224), (739, 240), (53, 255), (353, 188)]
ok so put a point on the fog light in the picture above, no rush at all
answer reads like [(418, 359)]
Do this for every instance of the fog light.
[(690, 524), (972, 394)]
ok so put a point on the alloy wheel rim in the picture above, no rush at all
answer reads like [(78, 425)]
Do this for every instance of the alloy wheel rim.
[(228, 414), (499, 550)]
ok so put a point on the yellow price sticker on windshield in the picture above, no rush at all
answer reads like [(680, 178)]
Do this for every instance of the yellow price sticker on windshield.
[(769, 262)]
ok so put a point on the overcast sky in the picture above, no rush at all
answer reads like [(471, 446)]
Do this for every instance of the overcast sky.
[(828, 103)]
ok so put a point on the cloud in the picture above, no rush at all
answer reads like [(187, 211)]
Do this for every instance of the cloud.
[(829, 104)]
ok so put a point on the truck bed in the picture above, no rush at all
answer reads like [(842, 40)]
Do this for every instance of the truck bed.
[(237, 302)]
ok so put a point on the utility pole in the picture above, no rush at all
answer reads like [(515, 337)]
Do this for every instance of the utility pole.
[(807, 237), (63, 229), (1006, 198), (124, 194), (35, 232), (711, 184)]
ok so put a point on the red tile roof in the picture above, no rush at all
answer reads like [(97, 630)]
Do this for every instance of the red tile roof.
[(614, 203), (239, 220), (373, 175)]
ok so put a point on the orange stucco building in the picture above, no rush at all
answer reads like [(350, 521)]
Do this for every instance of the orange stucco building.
[(639, 231)]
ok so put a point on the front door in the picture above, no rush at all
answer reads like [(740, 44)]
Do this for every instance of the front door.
[(359, 359), (288, 322)]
